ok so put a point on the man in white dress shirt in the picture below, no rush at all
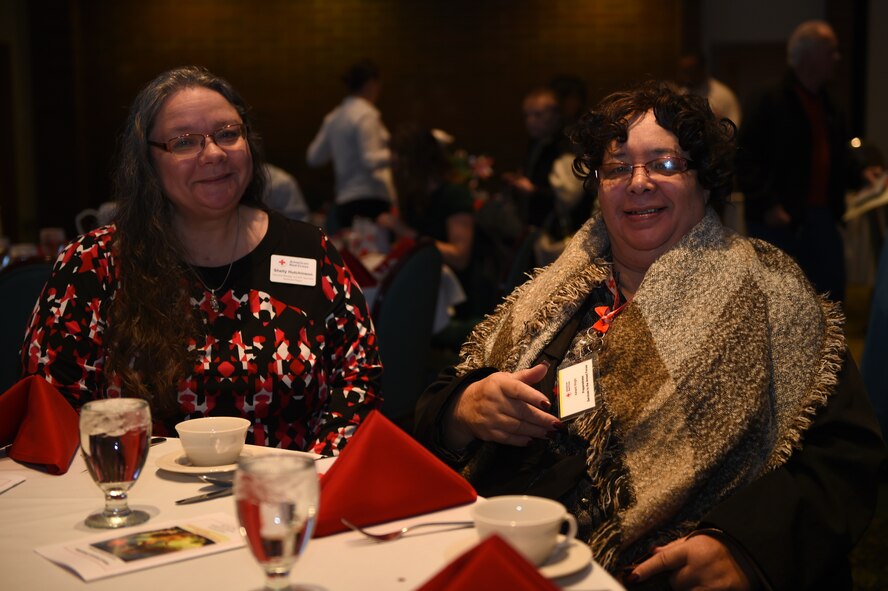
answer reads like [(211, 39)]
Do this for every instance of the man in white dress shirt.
[(355, 139)]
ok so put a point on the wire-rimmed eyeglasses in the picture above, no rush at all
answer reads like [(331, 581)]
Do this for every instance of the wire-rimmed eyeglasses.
[(622, 171), (191, 144)]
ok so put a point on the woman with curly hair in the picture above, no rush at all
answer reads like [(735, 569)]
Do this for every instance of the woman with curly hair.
[(682, 390), (198, 298)]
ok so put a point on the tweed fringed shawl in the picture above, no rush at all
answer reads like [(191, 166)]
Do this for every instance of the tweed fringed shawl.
[(709, 377)]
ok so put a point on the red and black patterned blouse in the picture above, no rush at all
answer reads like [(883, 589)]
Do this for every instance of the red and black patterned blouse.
[(301, 362)]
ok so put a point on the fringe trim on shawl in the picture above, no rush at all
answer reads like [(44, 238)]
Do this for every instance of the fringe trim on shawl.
[(832, 353), (508, 338), (550, 316), (610, 481), (605, 467), (472, 351)]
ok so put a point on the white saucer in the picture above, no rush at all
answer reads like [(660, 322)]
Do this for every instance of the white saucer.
[(577, 557), (177, 461)]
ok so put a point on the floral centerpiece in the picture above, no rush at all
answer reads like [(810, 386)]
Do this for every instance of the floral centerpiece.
[(471, 170)]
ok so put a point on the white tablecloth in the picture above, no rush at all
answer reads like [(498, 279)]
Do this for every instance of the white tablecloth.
[(49, 509)]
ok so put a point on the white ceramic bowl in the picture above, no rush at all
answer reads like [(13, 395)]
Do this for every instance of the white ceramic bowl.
[(213, 441)]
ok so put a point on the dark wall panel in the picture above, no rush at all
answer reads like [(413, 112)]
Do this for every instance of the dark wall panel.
[(459, 65), (8, 205)]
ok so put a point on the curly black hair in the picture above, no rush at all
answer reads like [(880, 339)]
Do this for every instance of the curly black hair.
[(708, 141)]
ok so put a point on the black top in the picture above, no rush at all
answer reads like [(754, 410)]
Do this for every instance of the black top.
[(296, 357), (774, 154)]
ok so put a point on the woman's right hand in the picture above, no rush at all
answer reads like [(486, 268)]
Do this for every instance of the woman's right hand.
[(504, 408)]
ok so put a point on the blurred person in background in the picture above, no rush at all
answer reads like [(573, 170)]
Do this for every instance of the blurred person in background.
[(692, 76), (531, 187), (282, 194), (548, 194), (354, 138), (429, 204), (794, 164)]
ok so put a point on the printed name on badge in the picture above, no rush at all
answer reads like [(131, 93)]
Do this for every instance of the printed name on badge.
[(576, 389), (293, 270)]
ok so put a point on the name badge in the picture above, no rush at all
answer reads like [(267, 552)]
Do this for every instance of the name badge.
[(293, 270), (577, 388)]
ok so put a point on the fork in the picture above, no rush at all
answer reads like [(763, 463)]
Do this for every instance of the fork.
[(398, 533)]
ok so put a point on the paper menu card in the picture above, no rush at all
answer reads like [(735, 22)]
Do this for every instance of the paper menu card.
[(114, 552)]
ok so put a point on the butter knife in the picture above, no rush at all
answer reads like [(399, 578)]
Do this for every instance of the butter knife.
[(215, 494)]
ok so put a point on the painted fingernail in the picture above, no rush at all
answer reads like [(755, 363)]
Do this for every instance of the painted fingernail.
[(545, 404), (546, 362), (632, 578)]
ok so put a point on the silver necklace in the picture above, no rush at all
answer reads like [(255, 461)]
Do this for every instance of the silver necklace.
[(214, 300)]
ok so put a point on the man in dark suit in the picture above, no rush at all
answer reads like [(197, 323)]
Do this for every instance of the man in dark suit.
[(793, 164)]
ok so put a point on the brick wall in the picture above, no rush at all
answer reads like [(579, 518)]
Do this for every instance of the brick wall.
[(459, 65)]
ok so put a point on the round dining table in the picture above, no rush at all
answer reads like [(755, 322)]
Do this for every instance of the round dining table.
[(46, 509)]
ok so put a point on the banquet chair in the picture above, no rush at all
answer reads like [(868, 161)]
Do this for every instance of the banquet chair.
[(20, 286), (403, 314)]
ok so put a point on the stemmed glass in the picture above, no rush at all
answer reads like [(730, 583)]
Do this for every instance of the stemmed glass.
[(277, 502), (114, 435)]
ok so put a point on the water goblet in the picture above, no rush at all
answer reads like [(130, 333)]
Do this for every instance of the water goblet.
[(114, 436), (277, 502)]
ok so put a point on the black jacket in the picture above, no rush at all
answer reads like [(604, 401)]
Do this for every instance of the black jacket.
[(798, 523), (774, 154)]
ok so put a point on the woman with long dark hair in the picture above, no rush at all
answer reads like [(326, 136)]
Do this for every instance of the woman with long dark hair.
[(198, 298), (429, 203)]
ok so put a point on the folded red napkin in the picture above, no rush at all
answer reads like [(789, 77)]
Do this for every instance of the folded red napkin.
[(42, 426), (384, 474), (492, 564)]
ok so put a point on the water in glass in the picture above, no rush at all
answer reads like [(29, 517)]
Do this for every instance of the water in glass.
[(114, 435), (277, 502)]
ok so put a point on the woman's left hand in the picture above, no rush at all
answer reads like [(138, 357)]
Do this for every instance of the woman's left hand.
[(696, 562)]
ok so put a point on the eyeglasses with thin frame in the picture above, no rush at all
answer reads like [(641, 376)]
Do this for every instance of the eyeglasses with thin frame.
[(614, 172), (191, 144)]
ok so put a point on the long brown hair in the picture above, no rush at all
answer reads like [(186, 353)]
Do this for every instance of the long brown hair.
[(150, 319), (420, 162)]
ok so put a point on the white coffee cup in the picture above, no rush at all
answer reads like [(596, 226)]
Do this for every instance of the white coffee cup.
[(529, 524), (213, 441)]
